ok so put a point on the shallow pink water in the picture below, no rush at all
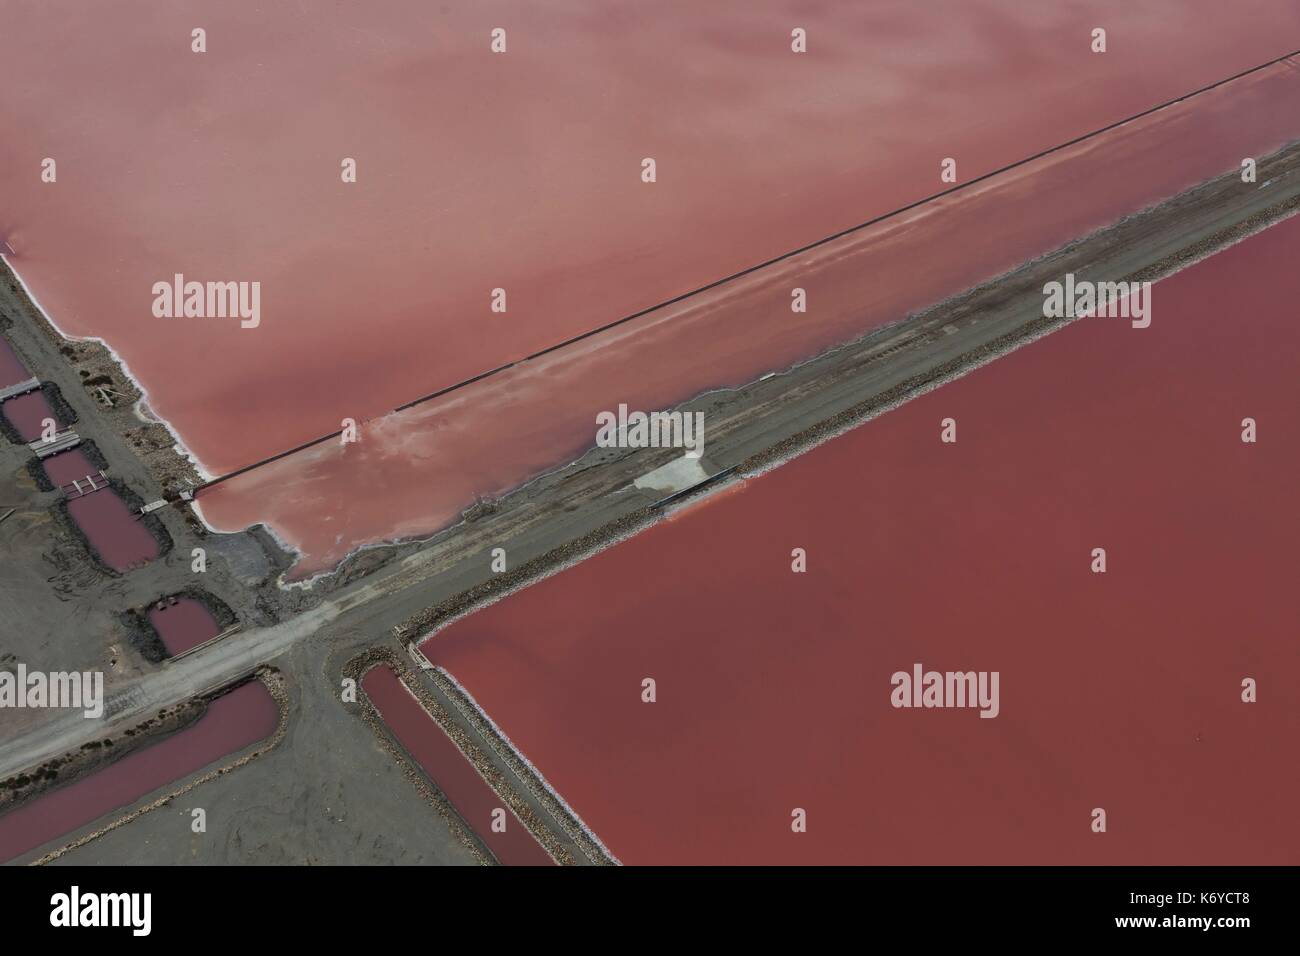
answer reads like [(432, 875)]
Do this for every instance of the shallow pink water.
[(242, 717), (415, 471), (519, 171), (28, 413), (183, 625), (1119, 690), (67, 467), (121, 540), (110, 525)]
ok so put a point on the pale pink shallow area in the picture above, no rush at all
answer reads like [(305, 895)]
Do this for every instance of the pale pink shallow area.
[(414, 472), (519, 171), (1118, 690)]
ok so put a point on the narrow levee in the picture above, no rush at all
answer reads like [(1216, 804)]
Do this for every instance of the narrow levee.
[(492, 822)]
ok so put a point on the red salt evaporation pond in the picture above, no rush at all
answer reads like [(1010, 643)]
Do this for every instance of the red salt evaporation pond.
[(121, 540), (416, 471), (28, 413), (520, 171), (1118, 690), (184, 624), (69, 466), (12, 370), (244, 716), (112, 528), (447, 767)]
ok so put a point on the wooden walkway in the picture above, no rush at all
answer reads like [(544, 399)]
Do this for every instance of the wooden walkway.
[(60, 442), (84, 486), (22, 388)]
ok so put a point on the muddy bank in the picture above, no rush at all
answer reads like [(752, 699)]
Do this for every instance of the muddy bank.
[(143, 636), (64, 413)]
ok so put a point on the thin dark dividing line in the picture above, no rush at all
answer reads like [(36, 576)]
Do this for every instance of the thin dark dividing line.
[(852, 229), (266, 461), (781, 258), (335, 434), (490, 372)]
